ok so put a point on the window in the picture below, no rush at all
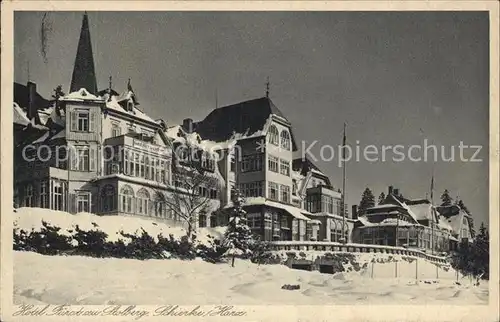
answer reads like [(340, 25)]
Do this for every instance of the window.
[(273, 163), (58, 203), (130, 106), (273, 136), (108, 198), (285, 140), (81, 121), (251, 163), (84, 159), (213, 194), (207, 162), (294, 187), (159, 205), (115, 130), (252, 189), (254, 220), (285, 193), (44, 196), (232, 161), (83, 202), (327, 204), (273, 191), (285, 167), (202, 221), (213, 221), (126, 197), (28, 196), (143, 202)]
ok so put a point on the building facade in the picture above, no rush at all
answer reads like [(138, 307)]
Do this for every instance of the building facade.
[(99, 152), (397, 221)]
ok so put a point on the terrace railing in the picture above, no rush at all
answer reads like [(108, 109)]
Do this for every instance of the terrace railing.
[(322, 246)]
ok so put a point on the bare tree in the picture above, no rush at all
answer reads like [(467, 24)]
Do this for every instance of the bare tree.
[(196, 182)]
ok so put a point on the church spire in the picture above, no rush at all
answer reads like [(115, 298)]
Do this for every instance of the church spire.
[(83, 70)]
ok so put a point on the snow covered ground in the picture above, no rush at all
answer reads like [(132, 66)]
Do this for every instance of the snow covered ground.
[(40, 279)]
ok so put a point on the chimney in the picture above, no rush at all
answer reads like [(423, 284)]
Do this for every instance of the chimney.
[(354, 211), (32, 111), (187, 125), (390, 189)]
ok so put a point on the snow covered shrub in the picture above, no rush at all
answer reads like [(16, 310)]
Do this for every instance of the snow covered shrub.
[(213, 253), (141, 247), (182, 249), (48, 241), (92, 243), (20, 239), (262, 254)]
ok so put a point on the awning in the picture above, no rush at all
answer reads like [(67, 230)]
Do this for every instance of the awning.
[(314, 222), (294, 211), (450, 237)]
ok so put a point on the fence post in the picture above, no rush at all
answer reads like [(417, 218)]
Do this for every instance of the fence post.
[(396, 268), (437, 272), (373, 265), (416, 269)]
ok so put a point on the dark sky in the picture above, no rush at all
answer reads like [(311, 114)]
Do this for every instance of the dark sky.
[(395, 78)]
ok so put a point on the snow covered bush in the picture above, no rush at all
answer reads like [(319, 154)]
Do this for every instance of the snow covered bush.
[(262, 254), (182, 248), (213, 252), (47, 241)]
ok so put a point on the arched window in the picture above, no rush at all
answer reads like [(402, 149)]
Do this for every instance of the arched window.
[(202, 221), (108, 198), (285, 140), (273, 136), (126, 197), (333, 231), (143, 202), (159, 205)]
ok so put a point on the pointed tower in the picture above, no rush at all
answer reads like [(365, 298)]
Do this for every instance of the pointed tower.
[(83, 70)]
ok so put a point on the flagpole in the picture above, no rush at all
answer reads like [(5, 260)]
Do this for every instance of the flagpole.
[(343, 187), (432, 211)]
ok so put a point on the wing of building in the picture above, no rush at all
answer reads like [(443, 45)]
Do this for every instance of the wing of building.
[(416, 223)]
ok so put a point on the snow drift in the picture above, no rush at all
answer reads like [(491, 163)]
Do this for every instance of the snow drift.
[(29, 219)]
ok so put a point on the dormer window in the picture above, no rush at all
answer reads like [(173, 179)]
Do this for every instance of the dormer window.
[(130, 106)]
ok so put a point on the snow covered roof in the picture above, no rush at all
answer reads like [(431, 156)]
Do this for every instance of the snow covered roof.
[(444, 224), (455, 222), (257, 201), (422, 211), (178, 135), (42, 138), (19, 116), (81, 95), (241, 120), (113, 104)]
